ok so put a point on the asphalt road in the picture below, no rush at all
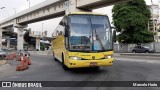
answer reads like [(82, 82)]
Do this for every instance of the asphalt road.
[(44, 68)]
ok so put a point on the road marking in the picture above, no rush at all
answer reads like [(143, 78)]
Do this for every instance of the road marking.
[(138, 60)]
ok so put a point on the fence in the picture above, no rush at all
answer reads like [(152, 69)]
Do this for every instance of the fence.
[(127, 48)]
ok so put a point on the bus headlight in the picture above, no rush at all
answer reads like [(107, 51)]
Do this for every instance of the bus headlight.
[(75, 58), (108, 57)]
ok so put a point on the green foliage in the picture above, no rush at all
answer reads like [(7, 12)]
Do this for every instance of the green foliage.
[(131, 19)]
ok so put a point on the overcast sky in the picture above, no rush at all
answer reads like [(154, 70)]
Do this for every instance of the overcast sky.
[(49, 25)]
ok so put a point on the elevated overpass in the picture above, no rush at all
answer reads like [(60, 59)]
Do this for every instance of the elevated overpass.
[(49, 9)]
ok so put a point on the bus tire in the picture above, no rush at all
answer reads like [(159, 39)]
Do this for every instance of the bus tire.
[(97, 68), (64, 66), (54, 57)]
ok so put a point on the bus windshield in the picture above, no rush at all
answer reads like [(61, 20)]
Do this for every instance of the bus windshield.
[(89, 33)]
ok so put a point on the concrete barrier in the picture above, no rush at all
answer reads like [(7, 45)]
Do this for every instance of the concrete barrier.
[(141, 54), (40, 52)]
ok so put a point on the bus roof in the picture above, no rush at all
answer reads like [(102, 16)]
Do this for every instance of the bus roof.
[(93, 13)]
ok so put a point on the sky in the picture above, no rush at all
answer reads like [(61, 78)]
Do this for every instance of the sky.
[(16, 6)]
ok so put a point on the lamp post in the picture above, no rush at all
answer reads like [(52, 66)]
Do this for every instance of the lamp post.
[(153, 27), (14, 10), (43, 37), (29, 3), (5, 10), (2, 7)]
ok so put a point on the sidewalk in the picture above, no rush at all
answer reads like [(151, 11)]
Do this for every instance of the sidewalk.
[(138, 54)]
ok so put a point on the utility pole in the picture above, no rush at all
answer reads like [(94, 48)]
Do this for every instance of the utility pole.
[(5, 10), (29, 3), (153, 22), (14, 10), (43, 37)]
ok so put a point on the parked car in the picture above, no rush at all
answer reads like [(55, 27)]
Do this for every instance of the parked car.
[(142, 49), (2, 54)]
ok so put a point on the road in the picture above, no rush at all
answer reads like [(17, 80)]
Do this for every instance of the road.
[(125, 68)]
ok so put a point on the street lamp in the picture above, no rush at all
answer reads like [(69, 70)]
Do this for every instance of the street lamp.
[(29, 3), (43, 37), (153, 26), (2, 7), (5, 10), (14, 10)]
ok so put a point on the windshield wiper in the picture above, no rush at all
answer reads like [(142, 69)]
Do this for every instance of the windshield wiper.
[(97, 36)]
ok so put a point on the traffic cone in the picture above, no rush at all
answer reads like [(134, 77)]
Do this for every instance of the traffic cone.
[(18, 68), (19, 57), (13, 54), (5, 57), (9, 57), (26, 65), (28, 60), (21, 66)]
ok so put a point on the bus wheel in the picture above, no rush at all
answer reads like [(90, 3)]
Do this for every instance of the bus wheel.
[(96, 68), (54, 57), (64, 66)]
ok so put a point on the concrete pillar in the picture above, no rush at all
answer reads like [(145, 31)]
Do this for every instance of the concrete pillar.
[(38, 43), (71, 7), (19, 28), (8, 42), (1, 38), (20, 39)]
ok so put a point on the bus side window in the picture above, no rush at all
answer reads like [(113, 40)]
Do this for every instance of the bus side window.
[(60, 28), (66, 32)]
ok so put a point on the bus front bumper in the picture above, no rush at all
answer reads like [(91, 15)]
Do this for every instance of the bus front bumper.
[(89, 63)]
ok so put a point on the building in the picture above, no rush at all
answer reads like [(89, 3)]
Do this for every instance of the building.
[(154, 22), (158, 31)]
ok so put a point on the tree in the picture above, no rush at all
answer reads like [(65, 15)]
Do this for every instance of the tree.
[(131, 20)]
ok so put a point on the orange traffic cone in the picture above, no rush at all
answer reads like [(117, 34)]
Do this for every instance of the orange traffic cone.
[(13, 54), (18, 68), (21, 66), (9, 57), (26, 65), (28, 59), (19, 57)]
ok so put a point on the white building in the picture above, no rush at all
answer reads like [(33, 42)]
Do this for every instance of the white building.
[(154, 22)]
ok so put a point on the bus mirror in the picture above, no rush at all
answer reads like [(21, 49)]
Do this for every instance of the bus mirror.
[(66, 31), (114, 35), (60, 33)]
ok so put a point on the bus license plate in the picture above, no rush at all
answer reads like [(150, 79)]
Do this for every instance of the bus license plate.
[(93, 64)]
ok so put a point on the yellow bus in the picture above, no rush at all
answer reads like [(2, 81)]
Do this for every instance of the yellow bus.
[(83, 39)]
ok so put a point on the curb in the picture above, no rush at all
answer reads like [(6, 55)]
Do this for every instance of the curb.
[(2, 62), (140, 54)]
